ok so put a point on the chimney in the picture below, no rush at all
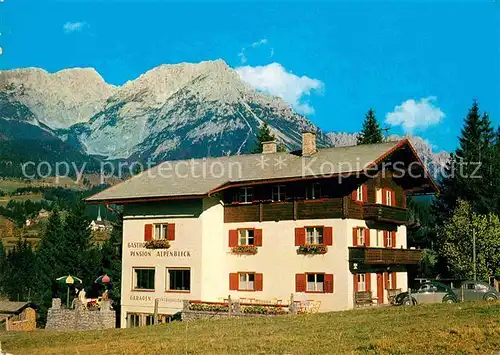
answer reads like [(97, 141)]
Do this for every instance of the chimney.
[(308, 143), (269, 147)]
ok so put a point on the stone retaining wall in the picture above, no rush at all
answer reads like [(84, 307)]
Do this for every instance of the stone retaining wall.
[(79, 318)]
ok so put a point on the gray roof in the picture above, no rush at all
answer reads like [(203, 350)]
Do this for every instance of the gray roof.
[(198, 177), (12, 307)]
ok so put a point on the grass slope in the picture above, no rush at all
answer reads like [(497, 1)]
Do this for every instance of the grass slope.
[(432, 329)]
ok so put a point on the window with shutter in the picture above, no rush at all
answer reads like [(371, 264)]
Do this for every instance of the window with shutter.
[(393, 239), (171, 231), (329, 283), (315, 282), (233, 238), (246, 281), (233, 281), (367, 237), (259, 282), (314, 235), (246, 237), (328, 235), (258, 237), (300, 282), (148, 232), (300, 236)]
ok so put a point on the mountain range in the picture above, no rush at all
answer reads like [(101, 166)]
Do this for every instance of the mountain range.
[(170, 112)]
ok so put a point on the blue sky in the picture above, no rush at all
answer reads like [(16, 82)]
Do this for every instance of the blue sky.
[(419, 65)]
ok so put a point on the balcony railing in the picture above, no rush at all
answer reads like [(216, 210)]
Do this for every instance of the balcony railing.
[(383, 213), (384, 256)]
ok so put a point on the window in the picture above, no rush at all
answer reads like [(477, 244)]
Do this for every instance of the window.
[(246, 281), (144, 279), (313, 191), (315, 282), (314, 235), (359, 193), (134, 320), (379, 238), (379, 195), (361, 236), (388, 197), (278, 193), (178, 279), (150, 319), (361, 278), (246, 237), (388, 239), (160, 231), (246, 194)]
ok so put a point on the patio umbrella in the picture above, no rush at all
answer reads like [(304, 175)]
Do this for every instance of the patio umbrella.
[(103, 279), (68, 280)]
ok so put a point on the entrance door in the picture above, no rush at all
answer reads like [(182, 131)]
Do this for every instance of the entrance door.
[(380, 288)]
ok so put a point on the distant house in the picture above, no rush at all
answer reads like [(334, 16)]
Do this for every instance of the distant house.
[(100, 225), (17, 316), (43, 214)]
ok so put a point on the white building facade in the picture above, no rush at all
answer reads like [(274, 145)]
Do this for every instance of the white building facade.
[(317, 239)]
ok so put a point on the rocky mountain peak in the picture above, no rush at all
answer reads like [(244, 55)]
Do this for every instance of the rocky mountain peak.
[(58, 99)]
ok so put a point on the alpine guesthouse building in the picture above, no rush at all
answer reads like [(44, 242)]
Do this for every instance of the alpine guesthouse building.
[(321, 224)]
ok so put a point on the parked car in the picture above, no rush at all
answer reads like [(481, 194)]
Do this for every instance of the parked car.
[(476, 291), (429, 292)]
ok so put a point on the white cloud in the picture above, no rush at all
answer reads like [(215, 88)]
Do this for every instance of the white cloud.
[(274, 79), (415, 115), (256, 44), (70, 27)]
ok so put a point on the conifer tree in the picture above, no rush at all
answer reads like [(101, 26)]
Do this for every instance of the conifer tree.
[(49, 264), (264, 135), (371, 132), (470, 173), (80, 257), (19, 278)]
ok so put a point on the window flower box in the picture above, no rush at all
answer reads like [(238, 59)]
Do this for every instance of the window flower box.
[(157, 244), (245, 249), (312, 249)]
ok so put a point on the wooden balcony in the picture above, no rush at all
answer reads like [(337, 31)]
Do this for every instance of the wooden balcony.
[(383, 213), (284, 211), (384, 256)]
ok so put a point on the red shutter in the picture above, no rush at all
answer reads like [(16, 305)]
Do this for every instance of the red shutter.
[(233, 238), (171, 231), (233, 281), (258, 237), (328, 283), (300, 236), (393, 239), (394, 282), (367, 237), (148, 232), (300, 282), (354, 195), (355, 282), (365, 193), (328, 235), (393, 198), (385, 238), (259, 282), (368, 281), (355, 236), (384, 196)]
